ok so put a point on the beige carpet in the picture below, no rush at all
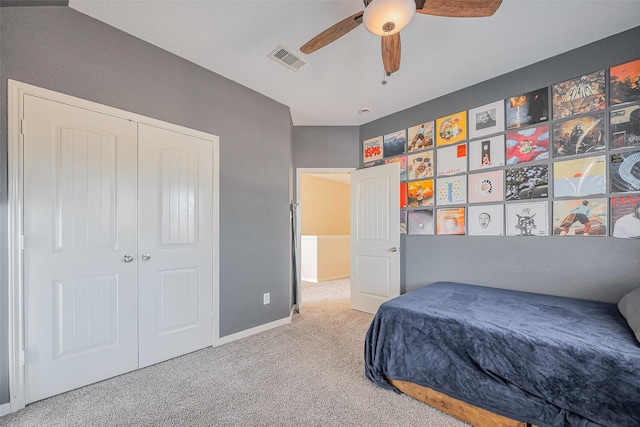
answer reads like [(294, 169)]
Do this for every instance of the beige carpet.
[(307, 373)]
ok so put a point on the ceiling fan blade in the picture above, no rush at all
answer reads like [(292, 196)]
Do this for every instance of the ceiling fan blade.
[(458, 8), (391, 53), (333, 33)]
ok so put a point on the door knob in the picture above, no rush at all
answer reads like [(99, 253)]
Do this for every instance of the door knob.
[(127, 258), (145, 257), (393, 249)]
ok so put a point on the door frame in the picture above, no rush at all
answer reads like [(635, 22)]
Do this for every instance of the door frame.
[(15, 162), (298, 217)]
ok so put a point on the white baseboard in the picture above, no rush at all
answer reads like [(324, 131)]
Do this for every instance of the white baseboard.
[(253, 331), (339, 276), (324, 279), (5, 409)]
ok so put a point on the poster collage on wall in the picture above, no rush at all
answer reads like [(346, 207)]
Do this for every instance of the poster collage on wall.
[(558, 161)]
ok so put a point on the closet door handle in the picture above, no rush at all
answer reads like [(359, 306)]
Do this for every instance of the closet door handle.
[(127, 258), (145, 257)]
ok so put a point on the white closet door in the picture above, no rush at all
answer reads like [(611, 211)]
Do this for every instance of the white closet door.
[(175, 244), (79, 223)]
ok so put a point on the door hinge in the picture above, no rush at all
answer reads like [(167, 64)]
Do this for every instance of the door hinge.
[(22, 126), (22, 357), (22, 242)]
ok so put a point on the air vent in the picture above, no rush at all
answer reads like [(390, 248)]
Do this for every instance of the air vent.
[(285, 57)]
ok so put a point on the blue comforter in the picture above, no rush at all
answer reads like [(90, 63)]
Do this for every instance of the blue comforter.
[(546, 360)]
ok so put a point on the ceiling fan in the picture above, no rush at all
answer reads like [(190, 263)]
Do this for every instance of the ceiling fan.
[(387, 17)]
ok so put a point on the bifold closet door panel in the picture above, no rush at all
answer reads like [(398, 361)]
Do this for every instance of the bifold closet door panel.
[(80, 228), (175, 244)]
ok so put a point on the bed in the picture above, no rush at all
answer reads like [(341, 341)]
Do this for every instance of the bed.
[(525, 358)]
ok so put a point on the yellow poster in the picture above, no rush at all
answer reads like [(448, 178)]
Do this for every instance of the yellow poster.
[(451, 129)]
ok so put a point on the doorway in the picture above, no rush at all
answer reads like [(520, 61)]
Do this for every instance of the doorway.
[(322, 227)]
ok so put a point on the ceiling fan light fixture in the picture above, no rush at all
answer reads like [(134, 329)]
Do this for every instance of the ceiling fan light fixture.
[(387, 17)]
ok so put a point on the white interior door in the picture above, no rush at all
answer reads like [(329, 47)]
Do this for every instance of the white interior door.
[(175, 244), (79, 223), (375, 236)]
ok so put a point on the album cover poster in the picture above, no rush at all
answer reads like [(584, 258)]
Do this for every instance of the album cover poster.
[(624, 82), (372, 149), (486, 187), (579, 177), (403, 195), (625, 172), (420, 137), (527, 182), (625, 216), (581, 217), (402, 160), (579, 95), (420, 165), (486, 153), (420, 193), (485, 220), (403, 222), (394, 143), (527, 109), (420, 222), (624, 127), (451, 129), (451, 160), (486, 120), (579, 136), (527, 145), (451, 191), (527, 219), (450, 221), (374, 163)]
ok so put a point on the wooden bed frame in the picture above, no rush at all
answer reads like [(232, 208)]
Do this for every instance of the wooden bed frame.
[(466, 412)]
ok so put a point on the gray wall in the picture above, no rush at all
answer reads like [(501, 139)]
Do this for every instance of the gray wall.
[(60, 49), (325, 147), (590, 268)]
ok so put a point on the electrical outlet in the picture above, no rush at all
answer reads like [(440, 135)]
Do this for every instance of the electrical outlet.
[(266, 298)]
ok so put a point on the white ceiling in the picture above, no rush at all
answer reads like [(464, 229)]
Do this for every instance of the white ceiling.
[(439, 55)]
